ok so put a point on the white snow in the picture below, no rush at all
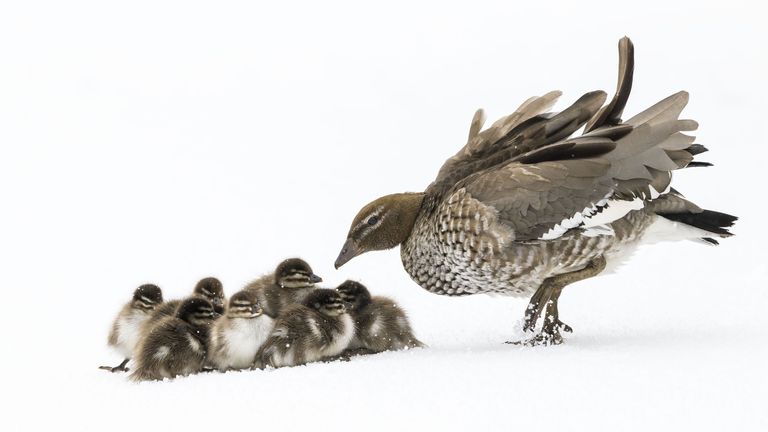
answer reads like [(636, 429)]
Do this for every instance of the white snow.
[(168, 141)]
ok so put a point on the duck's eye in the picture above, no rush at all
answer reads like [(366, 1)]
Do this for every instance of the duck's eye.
[(373, 220)]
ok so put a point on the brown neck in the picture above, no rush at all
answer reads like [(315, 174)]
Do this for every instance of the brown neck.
[(409, 207)]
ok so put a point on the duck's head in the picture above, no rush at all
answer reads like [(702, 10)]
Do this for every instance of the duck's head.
[(243, 304), (196, 311), (355, 294), (382, 224), (212, 289), (326, 301), (147, 297), (295, 273)]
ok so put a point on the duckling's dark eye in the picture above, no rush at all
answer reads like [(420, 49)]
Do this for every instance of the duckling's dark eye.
[(373, 220)]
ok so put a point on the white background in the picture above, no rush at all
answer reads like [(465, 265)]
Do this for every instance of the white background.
[(168, 141)]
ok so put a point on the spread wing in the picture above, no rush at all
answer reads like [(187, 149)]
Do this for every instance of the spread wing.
[(541, 184), (588, 181), (530, 127), (525, 129)]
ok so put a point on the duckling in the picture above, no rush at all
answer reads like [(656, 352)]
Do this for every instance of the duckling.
[(208, 288), (318, 328), (126, 329), (237, 335), (380, 324), (176, 345), (212, 289), (524, 209), (291, 282)]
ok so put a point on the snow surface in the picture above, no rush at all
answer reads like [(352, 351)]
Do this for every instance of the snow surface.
[(168, 141)]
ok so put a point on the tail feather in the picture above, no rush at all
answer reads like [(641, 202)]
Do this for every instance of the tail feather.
[(695, 164), (695, 149), (707, 220), (681, 219)]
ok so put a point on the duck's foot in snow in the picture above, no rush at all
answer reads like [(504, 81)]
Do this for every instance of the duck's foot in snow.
[(550, 334), (119, 368)]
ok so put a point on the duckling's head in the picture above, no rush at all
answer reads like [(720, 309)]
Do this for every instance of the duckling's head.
[(326, 301), (295, 273), (147, 297), (212, 289), (243, 304), (382, 224), (355, 294), (197, 311)]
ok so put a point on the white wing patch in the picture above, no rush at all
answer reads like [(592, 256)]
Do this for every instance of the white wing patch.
[(613, 210), (595, 220)]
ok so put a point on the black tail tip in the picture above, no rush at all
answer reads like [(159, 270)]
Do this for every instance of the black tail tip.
[(708, 220)]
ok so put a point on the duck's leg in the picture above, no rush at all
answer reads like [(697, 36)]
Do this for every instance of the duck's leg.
[(119, 368), (535, 305), (544, 304)]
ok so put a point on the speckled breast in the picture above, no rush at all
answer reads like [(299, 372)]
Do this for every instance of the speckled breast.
[(465, 254), (460, 249)]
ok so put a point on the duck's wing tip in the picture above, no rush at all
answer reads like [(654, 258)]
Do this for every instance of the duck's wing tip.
[(610, 115)]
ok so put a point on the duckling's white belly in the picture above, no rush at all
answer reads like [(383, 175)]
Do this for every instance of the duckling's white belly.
[(341, 339), (129, 332), (241, 340)]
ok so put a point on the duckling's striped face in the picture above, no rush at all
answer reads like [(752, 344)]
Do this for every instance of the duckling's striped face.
[(355, 294), (213, 291), (295, 273), (147, 297), (327, 302), (243, 306), (196, 311)]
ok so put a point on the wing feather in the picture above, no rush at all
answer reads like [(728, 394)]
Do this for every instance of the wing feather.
[(540, 183)]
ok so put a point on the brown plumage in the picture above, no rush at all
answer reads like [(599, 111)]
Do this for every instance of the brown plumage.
[(208, 288), (380, 323), (524, 210), (176, 345), (126, 329), (289, 284), (319, 328)]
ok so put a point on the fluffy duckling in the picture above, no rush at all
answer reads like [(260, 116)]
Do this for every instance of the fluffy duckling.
[(237, 336), (380, 324), (126, 329), (291, 282), (208, 288), (176, 345), (317, 329)]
